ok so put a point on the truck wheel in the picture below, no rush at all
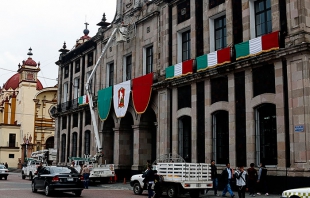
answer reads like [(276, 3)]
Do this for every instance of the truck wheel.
[(172, 192), (194, 193), (23, 177), (137, 189), (6, 178)]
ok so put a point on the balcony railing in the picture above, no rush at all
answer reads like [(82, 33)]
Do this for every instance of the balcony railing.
[(12, 144)]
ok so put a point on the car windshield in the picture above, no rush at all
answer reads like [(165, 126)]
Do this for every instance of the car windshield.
[(63, 170), (2, 167)]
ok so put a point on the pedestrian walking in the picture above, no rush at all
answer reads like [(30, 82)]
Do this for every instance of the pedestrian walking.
[(227, 176), (241, 178), (149, 180), (6, 165), (157, 186), (252, 179), (262, 180), (214, 178), (85, 173)]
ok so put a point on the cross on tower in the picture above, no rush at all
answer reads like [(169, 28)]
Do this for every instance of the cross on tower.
[(86, 24)]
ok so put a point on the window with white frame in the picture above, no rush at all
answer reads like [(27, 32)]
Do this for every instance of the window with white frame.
[(220, 129), (65, 92), (220, 32), (184, 45), (260, 17), (149, 60), (76, 85), (91, 81), (127, 67), (218, 18), (110, 74)]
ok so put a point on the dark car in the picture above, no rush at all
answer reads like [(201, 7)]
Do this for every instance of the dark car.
[(58, 178)]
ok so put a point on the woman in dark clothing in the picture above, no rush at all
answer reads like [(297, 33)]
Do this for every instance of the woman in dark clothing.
[(252, 178)]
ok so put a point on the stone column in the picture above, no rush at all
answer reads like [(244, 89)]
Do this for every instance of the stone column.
[(250, 118), (231, 119), (175, 136), (142, 146), (208, 122), (194, 122), (164, 120)]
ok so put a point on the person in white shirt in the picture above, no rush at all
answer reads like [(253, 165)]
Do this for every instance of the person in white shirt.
[(241, 178)]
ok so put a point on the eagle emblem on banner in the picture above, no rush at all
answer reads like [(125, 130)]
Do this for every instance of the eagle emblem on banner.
[(121, 95)]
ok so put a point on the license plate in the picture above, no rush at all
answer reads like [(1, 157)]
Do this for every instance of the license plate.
[(70, 179)]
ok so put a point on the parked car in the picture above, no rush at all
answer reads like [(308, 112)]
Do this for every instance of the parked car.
[(296, 193), (4, 172), (58, 178)]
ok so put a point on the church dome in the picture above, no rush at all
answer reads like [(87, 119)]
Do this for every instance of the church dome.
[(30, 62), (13, 83)]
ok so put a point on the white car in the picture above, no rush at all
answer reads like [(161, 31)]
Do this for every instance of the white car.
[(296, 193), (4, 172)]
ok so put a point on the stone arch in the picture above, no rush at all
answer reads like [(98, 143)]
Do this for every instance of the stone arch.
[(266, 134), (148, 126), (49, 143), (108, 140), (185, 137)]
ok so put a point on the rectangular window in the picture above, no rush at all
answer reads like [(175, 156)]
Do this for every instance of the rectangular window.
[(184, 11), (77, 66), (219, 89), (64, 122), (66, 71), (90, 59), (186, 45), (111, 74), (220, 32), (128, 67), (149, 59), (184, 97), (76, 87), (11, 156), (75, 120), (91, 81), (214, 3), (262, 17), (12, 140), (65, 92)]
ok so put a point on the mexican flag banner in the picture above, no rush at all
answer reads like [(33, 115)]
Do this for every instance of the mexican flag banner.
[(213, 59), (180, 69), (121, 95), (104, 102), (257, 45), (83, 100)]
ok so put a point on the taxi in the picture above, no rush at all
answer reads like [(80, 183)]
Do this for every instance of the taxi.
[(297, 192)]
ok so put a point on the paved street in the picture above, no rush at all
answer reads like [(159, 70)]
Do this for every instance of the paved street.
[(16, 187)]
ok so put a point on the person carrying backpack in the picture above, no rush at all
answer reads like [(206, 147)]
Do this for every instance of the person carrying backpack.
[(252, 179)]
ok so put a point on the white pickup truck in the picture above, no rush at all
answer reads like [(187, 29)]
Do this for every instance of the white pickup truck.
[(30, 168), (98, 172), (178, 178)]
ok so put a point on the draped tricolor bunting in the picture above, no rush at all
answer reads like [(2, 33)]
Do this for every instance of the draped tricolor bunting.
[(121, 94), (104, 102), (213, 59), (257, 45), (83, 100), (141, 92), (179, 69)]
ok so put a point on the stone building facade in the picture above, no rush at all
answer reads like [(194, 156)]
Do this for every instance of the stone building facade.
[(230, 83)]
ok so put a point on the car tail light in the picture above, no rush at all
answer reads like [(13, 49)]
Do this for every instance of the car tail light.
[(210, 185), (55, 179), (81, 178), (187, 185)]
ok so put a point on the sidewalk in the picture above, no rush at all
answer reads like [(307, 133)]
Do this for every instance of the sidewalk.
[(210, 194)]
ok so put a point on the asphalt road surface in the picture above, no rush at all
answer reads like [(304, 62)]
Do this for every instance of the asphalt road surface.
[(16, 187)]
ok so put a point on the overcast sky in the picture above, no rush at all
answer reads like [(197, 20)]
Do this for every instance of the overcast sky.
[(44, 25)]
